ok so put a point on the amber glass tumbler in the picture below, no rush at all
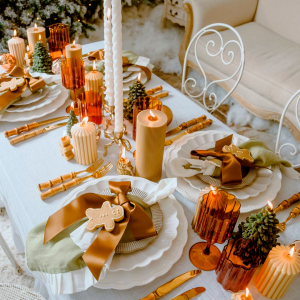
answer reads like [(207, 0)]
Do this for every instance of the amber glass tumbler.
[(59, 38), (141, 104), (214, 221)]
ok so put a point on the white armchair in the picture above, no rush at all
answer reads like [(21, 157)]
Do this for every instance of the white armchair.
[(269, 30)]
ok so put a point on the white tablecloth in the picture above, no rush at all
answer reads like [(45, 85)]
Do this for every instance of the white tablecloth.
[(25, 165)]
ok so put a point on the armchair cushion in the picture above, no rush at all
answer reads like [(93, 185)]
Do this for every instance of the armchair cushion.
[(231, 12)]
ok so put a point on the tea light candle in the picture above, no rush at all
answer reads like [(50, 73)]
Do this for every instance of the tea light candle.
[(242, 296), (278, 272), (84, 142), (16, 48), (94, 80), (150, 140), (73, 50), (35, 34), (124, 166)]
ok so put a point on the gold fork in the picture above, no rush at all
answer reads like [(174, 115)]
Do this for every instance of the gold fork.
[(294, 213), (76, 181), (92, 168)]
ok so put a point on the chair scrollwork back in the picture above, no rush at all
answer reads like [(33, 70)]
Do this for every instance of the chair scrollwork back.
[(214, 102)]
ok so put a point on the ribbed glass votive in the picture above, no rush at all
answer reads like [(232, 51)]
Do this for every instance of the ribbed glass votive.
[(59, 38)]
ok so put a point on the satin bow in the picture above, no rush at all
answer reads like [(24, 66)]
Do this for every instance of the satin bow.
[(231, 168), (105, 243)]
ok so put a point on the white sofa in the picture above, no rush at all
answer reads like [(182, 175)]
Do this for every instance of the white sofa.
[(270, 30)]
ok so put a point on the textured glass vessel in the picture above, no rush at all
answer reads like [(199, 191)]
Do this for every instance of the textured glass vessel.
[(231, 272), (214, 221), (142, 104), (59, 38)]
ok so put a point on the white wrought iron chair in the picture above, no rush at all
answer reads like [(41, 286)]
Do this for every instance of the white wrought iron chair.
[(279, 148), (210, 45)]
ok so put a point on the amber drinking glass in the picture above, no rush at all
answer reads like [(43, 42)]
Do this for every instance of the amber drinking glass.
[(141, 104), (231, 272), (214, 221), (90, 105), (59, 38)]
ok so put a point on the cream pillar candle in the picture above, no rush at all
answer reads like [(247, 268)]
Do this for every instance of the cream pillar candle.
[(117, 63), (16, 48), (73, 50), (35, 34), (278, 272), (94, 80), (108, 57), (84, 142), (150, 141)]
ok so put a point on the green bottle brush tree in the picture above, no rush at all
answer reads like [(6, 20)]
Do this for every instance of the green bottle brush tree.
[(42, 61), (71, 121)]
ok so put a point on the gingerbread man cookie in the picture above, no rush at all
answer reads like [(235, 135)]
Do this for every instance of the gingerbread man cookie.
[(242, 154), (104, 216), (12, 84)]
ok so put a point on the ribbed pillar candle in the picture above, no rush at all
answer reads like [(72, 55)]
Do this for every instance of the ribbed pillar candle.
[(84, 142), (16, 48), (94, 81)]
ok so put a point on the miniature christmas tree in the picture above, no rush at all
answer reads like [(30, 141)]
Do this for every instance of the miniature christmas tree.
[(42, 61), (136, 91), (71, 121), (262, 232)]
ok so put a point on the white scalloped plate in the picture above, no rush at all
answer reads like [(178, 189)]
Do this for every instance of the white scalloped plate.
[(38, 113), (54, 91), (161, 244), (191, 193), (34, 97)]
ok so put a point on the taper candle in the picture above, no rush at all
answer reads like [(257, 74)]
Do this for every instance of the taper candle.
[(94, 80), (35, 34), (150, 141), (84, 142), (117, 63), (108, 56), (73, 50), (278, 272), (16, 48)]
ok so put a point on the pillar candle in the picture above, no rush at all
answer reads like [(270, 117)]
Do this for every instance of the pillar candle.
[(94, 80), (117, 63), (108, 56), (74, 50), (35, 34), (16, 48), (278, 272), (84, 142), (150, 141)]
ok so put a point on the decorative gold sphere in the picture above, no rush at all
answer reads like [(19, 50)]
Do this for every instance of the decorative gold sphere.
[(168, 112), (7, 62)]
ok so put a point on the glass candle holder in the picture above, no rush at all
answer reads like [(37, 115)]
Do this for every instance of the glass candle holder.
[(214, 221), (231, 272), (59, 38), (90, 105), (141, 104)]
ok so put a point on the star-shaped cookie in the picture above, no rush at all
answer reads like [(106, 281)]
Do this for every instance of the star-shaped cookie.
[(12, 84)]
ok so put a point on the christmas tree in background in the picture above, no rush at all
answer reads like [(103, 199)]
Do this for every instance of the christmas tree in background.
[(71, 121), (42, 61), (136, 91)]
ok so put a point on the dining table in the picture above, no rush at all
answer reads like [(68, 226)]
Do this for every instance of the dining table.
[(38, 159)]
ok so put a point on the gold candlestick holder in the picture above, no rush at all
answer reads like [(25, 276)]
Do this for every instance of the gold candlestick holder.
[(117, 138)]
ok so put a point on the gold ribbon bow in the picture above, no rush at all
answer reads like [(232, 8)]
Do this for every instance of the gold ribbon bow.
[(231, 168), (105, 243), (8, 97), (99, 55)]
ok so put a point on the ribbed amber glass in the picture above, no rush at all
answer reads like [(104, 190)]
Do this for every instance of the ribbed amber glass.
[(59, 38), (72, 73)]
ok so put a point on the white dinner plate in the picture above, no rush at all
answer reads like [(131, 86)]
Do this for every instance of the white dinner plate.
[(38, 113), (34, 97), (128, 84), (132, 77), (52, 95)]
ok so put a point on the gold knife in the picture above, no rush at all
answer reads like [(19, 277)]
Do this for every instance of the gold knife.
[(189, 131), (171, 285), (186, 125), (29, 135), (28, 127), (190, 294)]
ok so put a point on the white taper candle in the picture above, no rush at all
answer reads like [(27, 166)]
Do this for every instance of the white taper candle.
[(117, 63), (109, 73)]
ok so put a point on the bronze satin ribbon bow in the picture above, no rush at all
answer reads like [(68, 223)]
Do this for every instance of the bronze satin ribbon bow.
[(99, 54), (231, 168), (105, 243)]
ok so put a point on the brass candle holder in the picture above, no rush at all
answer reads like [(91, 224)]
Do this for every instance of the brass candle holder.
[(124, 166)]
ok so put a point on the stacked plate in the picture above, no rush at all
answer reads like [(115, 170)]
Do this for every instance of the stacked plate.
[(156, 258), (262, 189), (37, 105), (131, 76)]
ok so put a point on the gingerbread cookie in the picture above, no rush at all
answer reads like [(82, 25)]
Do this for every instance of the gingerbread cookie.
[(104, 216), (242, 154), (12, 84)]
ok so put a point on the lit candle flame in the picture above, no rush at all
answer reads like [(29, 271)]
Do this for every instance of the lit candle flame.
[(108, 13), (214, 190), (292, 252), (139, 77), (123, 154), (72, 105), (270, 205), (40, 37), (74, 42), (15, 32), (27, 48), (35, 25), (247, 292), (152, 114), (94, 65), (85, 120)]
